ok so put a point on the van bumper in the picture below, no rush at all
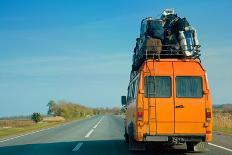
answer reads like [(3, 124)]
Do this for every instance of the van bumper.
[(175, 138)]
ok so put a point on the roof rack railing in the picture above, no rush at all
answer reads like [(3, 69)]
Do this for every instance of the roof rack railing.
[(170, 51)]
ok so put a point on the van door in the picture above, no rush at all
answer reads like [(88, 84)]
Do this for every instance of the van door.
[(159, 91), (161, 106), (189, 105), (189, 101)]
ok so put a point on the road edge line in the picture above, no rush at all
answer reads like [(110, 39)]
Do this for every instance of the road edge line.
[(220, 147), (22, 135), (30, 133)]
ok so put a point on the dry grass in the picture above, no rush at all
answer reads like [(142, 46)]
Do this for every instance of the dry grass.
[(15, 127), (222, 122), (10, 131), (53, 119), (15, 123), (26, 122)]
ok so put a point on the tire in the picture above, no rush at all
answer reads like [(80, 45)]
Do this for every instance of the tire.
[(126, 136), (136, 146), (196, 147), (131, 143)]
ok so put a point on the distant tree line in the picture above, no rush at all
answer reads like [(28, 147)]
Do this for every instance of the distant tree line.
[(224, 108), (70, 110)]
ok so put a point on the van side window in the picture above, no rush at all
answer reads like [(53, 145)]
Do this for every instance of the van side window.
[(157, 86), (129, 97), (128, 93), (135, 86), (189, 87), (132, 90)]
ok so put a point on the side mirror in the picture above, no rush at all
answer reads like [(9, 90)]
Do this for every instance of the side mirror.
[(123, 100)]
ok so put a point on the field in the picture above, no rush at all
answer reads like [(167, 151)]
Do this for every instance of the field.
[(222, 121), (14, 127)]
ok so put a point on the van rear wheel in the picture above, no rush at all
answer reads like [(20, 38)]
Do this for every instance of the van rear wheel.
[(136, 146), (196, 146), (126, 136)]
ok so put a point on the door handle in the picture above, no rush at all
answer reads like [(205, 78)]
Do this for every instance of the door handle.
[(179, 106)]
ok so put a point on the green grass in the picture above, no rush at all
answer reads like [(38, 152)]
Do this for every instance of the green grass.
[(224, 130)]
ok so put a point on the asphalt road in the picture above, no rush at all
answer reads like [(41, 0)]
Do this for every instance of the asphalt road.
[(100, 135)]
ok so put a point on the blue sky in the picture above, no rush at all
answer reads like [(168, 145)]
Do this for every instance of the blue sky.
[(81, 50)]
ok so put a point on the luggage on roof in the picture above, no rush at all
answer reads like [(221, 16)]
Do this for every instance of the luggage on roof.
[(153, 28), (167, 37), (189, 41), (167, 12), (152, 45), (148, 45), (180, 25)]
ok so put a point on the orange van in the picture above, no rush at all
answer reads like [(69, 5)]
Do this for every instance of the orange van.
[(169, 101)]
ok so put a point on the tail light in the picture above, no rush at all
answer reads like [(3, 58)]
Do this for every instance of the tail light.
[(140, 115), (208, 114)]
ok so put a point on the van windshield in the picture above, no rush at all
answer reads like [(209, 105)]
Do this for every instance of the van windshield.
[(188, 87), (157, 86)]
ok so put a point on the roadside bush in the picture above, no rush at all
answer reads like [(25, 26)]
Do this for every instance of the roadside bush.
[(36, 117)]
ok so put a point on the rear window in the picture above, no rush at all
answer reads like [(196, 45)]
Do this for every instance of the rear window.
[(157, 86), (188, 87)]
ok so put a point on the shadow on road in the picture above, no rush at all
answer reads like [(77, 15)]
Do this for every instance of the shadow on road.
[(98, 147)]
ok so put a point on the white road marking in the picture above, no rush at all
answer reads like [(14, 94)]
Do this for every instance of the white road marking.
[(22, 135), (94, 127), (220, 147), (77, 147), (89, 133), (4, 140)]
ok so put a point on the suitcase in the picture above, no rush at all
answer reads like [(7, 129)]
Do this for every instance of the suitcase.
[(153, 45)]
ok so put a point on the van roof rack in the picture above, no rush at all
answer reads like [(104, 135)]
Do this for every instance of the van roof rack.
[(168, 51)]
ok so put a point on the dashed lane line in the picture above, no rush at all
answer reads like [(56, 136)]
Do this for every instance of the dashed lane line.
[(89, 133), (94, 127), (78, 146)]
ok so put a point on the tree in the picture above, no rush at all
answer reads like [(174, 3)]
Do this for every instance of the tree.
[(51, 107), (36, 117)]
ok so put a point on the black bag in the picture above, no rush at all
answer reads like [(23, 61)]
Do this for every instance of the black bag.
[(170, 20), (181, 24), (155, 29)]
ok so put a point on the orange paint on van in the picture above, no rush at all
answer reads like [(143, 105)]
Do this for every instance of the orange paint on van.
[(172, 116)]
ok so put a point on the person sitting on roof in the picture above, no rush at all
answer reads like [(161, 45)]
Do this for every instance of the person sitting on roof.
[(171, 45)]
